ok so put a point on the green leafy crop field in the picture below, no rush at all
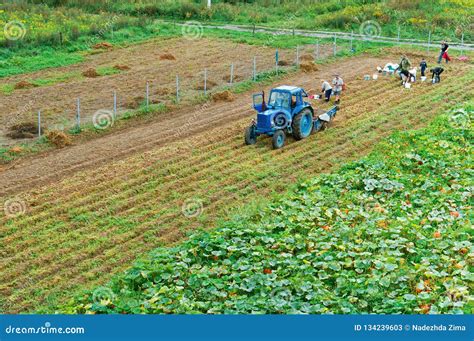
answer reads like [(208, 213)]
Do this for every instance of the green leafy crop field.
[(387, 234)]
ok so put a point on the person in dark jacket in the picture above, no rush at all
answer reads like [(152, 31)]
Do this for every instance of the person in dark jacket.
[(435, 74), (444, 52), (405, 76), (423, 67)]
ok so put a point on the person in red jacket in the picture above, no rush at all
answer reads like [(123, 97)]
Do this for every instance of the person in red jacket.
[(444, 52)]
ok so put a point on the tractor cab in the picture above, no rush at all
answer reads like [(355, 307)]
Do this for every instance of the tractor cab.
[(284, 97), (278, 113)]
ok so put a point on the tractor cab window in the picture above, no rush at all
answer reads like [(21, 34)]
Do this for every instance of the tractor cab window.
[(294, 101), (279, 100)]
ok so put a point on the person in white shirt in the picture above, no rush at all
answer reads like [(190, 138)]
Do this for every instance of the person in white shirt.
[(338, 85), (326, 89)]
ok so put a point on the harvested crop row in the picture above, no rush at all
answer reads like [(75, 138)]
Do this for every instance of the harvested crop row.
[(64, 248)]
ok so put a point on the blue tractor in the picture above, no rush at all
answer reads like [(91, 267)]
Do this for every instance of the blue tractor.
[(285, 112)]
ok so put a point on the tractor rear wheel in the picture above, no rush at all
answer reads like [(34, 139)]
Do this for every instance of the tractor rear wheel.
[(278, 139), (303, 124), (250, 135)]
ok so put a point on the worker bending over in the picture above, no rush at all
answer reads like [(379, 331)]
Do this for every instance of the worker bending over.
[(326, 89), (435, 74)]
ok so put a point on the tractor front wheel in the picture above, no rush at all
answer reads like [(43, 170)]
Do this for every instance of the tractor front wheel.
[(303, 124), (250, 135), (278, 139)]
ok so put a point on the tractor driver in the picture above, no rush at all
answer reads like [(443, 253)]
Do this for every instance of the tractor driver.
[(280, 99), (293, 101)]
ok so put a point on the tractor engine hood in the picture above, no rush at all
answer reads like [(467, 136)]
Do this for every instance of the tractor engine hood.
[(273, 118)]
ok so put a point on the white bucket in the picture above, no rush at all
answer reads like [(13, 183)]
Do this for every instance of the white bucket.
[(423, 78), (375, 76), (407, 85)]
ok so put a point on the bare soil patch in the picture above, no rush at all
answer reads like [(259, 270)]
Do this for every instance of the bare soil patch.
[(24, 85), (90, 73), (24, 130), (58, 138), (224, 96), (103, 45)]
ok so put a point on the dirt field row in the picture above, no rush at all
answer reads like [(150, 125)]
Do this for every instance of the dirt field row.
[(114, 204)]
